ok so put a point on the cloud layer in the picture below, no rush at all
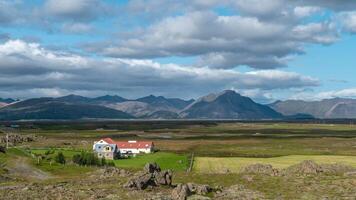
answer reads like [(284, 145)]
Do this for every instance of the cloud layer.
[(246, 45), (28, 67)]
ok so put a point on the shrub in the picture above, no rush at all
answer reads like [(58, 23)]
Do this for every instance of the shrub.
[(48, 152), (60, 158), (85, 158)]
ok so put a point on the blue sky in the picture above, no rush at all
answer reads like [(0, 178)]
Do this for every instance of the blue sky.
[(267, 49)]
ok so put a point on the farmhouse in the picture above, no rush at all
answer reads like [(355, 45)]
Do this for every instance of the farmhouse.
[(111, 149)]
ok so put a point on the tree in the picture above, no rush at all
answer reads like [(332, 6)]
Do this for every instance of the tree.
[(77, 159), (102, 161), (60, 158)]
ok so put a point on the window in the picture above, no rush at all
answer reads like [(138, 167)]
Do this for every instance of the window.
[(107, 148)]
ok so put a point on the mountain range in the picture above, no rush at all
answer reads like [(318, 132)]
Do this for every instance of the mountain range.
[(224, 105), (335, 108)]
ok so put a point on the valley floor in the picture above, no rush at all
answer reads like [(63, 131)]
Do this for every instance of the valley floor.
[(222, 151)]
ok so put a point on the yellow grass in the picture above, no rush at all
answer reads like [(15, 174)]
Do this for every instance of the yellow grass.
[(235, 164)]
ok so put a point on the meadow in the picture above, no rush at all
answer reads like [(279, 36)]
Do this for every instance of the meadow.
[(221, 150), (236, 164)]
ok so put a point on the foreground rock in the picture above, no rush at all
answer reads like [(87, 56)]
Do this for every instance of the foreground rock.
[(110, 172), (150, 176), (264, 169), (239, 192), (18, 139), (183, 191), (309, 167), (2, 149)]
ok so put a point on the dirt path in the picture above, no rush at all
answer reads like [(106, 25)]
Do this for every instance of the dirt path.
[(20, 167)]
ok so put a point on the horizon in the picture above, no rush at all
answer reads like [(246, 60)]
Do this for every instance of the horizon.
[(277, 50), (192, 99)]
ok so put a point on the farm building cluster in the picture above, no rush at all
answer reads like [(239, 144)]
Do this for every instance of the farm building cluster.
[(110, 149)]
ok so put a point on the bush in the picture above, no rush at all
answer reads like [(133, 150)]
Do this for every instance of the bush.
[(48, 152), (60, 158), (86, 158)]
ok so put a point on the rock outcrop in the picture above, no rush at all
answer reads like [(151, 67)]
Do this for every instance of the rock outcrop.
[(2, 149), (18, 139), (264, 169), (309, 167), (183, 191), (151, 176), (238, 192), (112, 171)]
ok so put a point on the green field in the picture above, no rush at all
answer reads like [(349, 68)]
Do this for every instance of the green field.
[(236, 164), (68, 153), (165, 160)]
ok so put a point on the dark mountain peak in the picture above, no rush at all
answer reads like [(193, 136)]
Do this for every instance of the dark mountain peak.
[(228, 105), (151, 98), (72, 98), (224, 94), (111, 98), (229, 92), (7, 100)]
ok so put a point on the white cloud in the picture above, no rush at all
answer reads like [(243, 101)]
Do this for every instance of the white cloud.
[(348, 19), (76, 28), (222, 41), (78, 9), (344, 93), (305, 11), (28, 67)]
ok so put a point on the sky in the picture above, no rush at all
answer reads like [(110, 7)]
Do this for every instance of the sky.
[(265, 49)]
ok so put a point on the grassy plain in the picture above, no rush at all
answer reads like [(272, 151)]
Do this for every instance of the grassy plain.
[(216, 146), (236, 164), (165, 160)]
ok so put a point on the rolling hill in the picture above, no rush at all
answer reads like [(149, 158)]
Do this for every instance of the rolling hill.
[(50, 108)]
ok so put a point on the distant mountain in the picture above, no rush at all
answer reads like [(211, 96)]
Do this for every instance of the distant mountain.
[(328, 108), (110, 99), (7, 101), (74, 99), (50, 108), (162, 114), (153, 107), (165, 103), (228, 105), (135, 108)]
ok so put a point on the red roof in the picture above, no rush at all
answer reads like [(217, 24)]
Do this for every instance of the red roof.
[(130, 144), (109, 140)]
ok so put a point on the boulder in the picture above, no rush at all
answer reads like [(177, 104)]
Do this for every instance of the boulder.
[(112, 171), (309, 167), (239, 192), (140, 182), (306, 167), (151, 168), (199, 189), (163, 177), (2, 149), (18, 139), (264, 169), (150, 176), (181, 192)]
